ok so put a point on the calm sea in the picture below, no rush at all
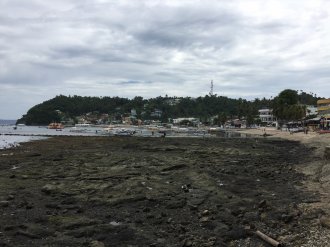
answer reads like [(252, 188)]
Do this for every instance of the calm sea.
[(11, 136)]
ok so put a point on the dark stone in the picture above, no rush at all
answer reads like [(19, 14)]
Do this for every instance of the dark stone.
[(4, 204)]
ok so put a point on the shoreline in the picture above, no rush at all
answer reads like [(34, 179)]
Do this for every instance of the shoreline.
[(206, 191), (317, 172)]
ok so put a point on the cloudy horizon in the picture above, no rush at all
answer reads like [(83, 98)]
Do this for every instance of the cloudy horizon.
[(149, 48)]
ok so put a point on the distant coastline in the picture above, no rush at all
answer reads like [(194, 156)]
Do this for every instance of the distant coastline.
[(7, 122)]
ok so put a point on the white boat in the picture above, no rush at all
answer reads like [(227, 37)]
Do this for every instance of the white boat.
[(83, 125), (77, 130), (121, 132)]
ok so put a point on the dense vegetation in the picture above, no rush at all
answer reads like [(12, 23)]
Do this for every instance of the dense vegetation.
[(216, 107)]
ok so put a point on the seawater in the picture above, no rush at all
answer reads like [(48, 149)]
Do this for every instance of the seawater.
[(11, 136), (14, 141)]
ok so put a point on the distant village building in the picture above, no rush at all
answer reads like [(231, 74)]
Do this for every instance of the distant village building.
[(156, 113), (266, 116), (323, 107), (133, 113), (173, 101), (311, 110), (190, 119)]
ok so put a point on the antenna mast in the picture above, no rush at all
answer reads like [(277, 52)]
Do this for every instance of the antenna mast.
[(211, 90)]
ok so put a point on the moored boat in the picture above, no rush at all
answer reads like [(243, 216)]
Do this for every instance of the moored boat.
[(57, 126)]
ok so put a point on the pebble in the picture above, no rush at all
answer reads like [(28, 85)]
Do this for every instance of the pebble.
[(205, 212), (204, 219)]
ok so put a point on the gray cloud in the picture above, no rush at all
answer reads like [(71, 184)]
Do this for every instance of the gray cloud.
[(250, 48)]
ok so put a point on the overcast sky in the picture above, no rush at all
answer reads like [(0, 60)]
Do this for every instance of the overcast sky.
[(249, 48)]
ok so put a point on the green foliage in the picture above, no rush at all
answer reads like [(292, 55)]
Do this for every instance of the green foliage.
[(171, 107), (286, 107)]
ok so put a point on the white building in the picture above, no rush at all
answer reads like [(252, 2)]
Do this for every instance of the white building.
[(266, 116), (311, 110), (190, 119)]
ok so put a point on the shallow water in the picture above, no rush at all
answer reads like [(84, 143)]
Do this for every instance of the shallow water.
[(13, 141), (12, 135)]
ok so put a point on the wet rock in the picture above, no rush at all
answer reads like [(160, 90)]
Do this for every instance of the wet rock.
[(236, 233), (185, 188), (3, 244), (27, 234), (197, 197), (38, 231), (69, 200), (78, 222), (327, 153), (96, 244), (53, 205), (221, 228), (29, 206), (325, 221), (33, 154), (49, 189), (251, 216), (262, 204), (4, 204), (176, 204), (9, 227), (187, 243), (175, 167), (205, 212), (10, 197), (204, 219), (169, 220), (210, 242), (287, 218)]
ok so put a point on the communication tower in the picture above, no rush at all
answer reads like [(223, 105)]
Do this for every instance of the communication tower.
[(211, 90)]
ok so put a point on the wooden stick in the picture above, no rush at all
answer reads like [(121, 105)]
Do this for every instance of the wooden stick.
[(268, 239)]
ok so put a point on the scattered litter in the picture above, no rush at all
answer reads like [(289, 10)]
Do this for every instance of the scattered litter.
[(10, 154), (115, 223)]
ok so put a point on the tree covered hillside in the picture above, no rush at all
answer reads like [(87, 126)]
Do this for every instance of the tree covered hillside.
[(203, 108)]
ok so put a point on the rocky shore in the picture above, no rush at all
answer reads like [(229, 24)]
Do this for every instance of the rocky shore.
[(99, 191)]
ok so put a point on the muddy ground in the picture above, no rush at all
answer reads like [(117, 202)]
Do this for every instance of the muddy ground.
[(96, 191)]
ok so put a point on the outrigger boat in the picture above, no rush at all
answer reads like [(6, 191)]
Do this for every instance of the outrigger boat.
[(56, 126)]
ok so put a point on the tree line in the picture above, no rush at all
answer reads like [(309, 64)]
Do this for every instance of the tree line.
[(286, 104)]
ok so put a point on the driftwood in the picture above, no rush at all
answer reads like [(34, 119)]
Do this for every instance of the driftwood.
[(268, 239)]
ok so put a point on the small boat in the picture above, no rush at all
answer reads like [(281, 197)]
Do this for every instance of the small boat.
[(83, 125), (123, 132), (77, 130), (56, 126)]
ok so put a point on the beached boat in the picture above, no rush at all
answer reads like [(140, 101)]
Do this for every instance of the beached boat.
[(324, 131), (57, 126), (83, 125)]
